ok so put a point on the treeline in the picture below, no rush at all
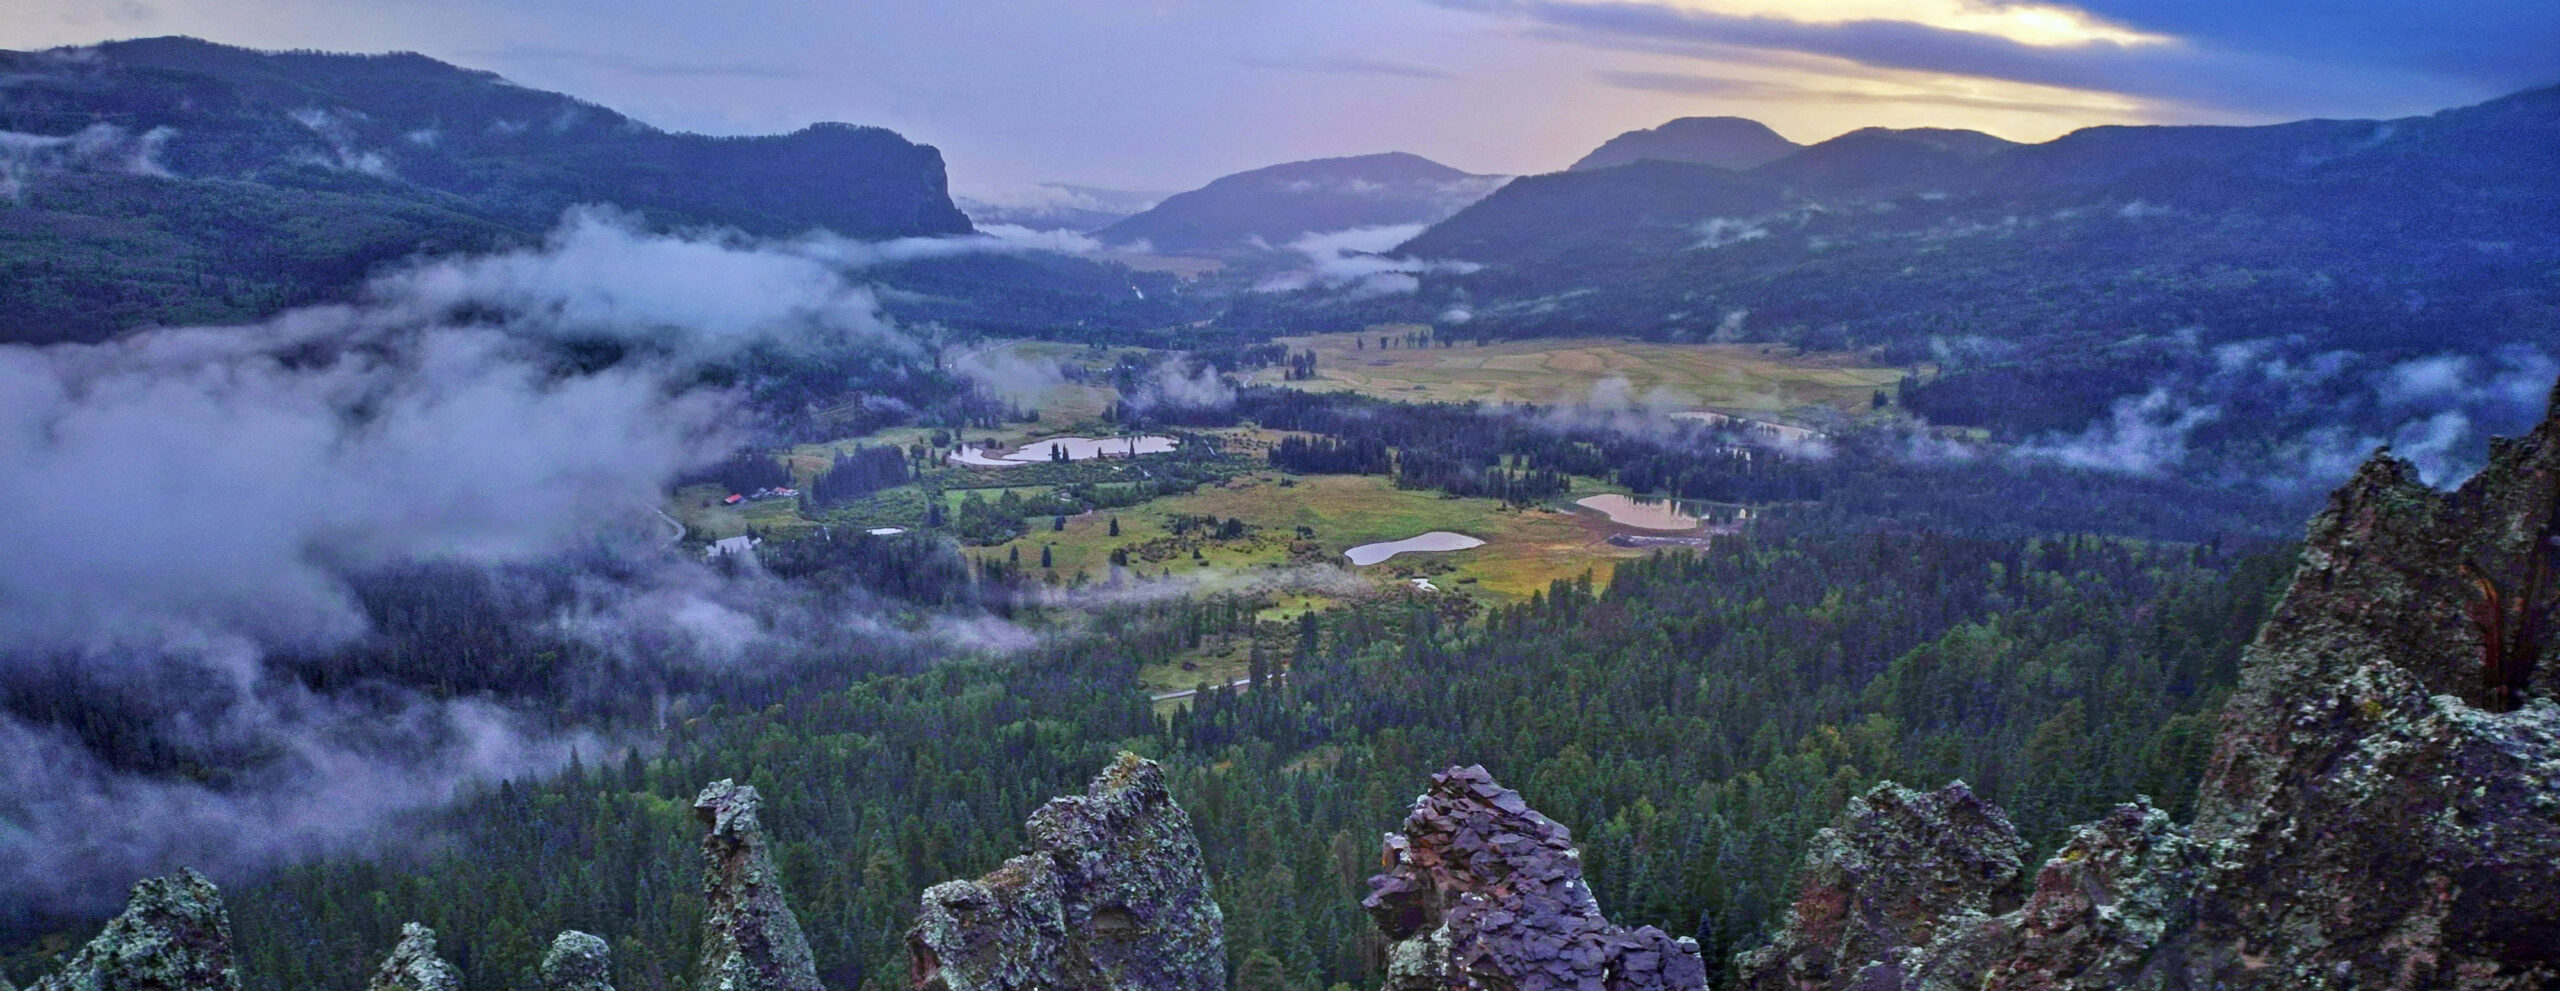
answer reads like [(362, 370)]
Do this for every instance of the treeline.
[(858, 473), (1694, 720), (1855, 477), (743, 472)]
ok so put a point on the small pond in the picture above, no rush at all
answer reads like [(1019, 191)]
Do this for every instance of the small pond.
[(1436, 540), (1075, 448), (1660, 514)]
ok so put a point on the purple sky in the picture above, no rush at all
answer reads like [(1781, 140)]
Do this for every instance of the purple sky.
[(1167, 94)]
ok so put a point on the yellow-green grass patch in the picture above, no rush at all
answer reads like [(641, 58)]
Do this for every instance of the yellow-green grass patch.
[(1768, 379)]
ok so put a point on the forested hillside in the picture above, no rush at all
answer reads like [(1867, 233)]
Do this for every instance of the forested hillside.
[(172, 180), (2274, 273), (1694, 721)]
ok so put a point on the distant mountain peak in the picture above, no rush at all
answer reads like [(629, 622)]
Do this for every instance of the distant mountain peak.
[(1735, 143), (1271, 206)]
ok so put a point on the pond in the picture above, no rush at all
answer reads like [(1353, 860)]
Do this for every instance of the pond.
[(1661, 514), (1075, 448), (1436, 540)]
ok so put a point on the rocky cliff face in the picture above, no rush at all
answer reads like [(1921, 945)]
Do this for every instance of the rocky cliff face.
[(2382, 809), (414, 966), (174, 935), (750, 940), (1483, 892), (577, 962), (1899, 870), (1112, 895)]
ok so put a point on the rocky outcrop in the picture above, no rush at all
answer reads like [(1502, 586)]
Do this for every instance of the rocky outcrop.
[(1112, 895), (2100, 910), (414, 966), (1481, 891), (2384, 798), (750, 939), (2382, 809), (1898, 871), (174, 935), (577, 962)]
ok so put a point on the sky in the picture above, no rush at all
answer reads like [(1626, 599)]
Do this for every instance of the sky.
[(1165, 95)]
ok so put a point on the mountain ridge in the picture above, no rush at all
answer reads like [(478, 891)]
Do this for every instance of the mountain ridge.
[(1736, 143), (171, 180), (1264, 209)]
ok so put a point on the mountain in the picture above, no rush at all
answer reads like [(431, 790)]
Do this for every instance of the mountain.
[(174, 180), (1651, 205), (2087, 271), (1267, 208), (1878, 160), (1725, 142)]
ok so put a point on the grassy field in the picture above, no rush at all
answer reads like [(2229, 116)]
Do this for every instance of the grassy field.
[(1771, 380), (698, 507), (1524, 549)]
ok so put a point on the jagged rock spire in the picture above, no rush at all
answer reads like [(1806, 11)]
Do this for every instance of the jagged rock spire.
[(577, 962), (1482, 892), (750, 940), (2382, 796), (2382, 810), (1112, 895), (414, 966), (174, 935), (1898, 869)]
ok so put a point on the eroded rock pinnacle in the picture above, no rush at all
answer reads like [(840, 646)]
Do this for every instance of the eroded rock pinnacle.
[(1112, 895), (1481, 891)]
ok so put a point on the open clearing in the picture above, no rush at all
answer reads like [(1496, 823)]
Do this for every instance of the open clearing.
[(1769, 379), (1524, 550)]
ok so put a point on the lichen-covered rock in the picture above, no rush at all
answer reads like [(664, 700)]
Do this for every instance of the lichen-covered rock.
[(1112, 895), (2383, 805), (414, 966), (174, 935), (2101, 909), (750, 939), (2382, 810), (577, 962), (1481, 891), (1900, 872)]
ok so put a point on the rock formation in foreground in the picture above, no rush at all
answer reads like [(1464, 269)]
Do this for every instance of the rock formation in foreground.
[(2382, 810), (1112, 895), (174, 935), (577, 962), (414, 966), (1481, 891), (1897, 871), (750, 939)]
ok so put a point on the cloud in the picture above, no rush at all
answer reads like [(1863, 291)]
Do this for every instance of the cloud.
[(192, 512), (238, 473), (2140, 436), (77, 831), (602, 273), (2274, 413), (1354, 65), (1180, 385), (1355, 263), (1719, 232), (1944, 40), (1008, 377), (1776, 92), (97, 147), (1015, 237)]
